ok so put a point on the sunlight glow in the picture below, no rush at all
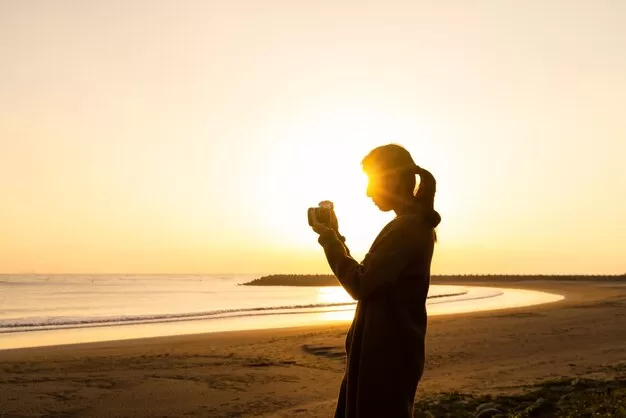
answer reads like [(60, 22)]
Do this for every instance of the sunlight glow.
[(319, 158), (333, 294)]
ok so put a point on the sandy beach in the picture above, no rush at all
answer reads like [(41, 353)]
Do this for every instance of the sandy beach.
[(296, 371)]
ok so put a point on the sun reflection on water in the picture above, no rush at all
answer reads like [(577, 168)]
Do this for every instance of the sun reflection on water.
[(333, 294), (336, 294)]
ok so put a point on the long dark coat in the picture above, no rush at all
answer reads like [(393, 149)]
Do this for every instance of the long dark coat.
[(385, 343)]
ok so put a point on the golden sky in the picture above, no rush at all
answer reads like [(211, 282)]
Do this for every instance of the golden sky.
[(191, 136)]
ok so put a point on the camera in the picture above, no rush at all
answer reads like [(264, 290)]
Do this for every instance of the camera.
[(320, 214)]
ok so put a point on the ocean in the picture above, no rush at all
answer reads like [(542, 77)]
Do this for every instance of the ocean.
[(40, 310)]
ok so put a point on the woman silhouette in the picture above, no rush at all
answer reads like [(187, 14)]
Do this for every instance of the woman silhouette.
[(385, 343)]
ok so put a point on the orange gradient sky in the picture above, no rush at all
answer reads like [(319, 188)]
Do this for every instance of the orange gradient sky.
[(191, 136)]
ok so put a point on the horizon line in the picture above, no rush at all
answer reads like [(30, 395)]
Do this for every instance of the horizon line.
[(306, 274)]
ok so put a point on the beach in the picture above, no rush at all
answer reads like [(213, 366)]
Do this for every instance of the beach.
[(297, 371)]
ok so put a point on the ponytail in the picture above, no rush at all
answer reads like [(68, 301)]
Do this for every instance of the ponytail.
[(425, 195)]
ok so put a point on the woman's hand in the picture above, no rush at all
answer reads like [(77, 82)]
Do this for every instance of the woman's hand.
[(321, 228), (333, 223)]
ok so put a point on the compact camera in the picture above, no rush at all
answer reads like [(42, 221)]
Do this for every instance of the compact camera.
[(321, 214)]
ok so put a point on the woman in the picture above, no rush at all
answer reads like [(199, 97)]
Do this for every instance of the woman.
[(385, 343)]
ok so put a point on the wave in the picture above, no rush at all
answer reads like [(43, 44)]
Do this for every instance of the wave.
[(12, 325)]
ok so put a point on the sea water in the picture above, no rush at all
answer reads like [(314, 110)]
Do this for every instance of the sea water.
[(38, 310)]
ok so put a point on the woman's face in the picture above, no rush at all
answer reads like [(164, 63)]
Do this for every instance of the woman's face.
[(379, 189)]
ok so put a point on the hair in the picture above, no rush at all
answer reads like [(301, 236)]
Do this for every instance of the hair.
[(395, 159)]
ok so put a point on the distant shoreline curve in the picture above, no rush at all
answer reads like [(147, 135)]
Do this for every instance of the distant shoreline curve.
[(330, 280)]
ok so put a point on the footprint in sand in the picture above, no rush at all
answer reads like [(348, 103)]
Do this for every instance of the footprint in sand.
[(331, 352)]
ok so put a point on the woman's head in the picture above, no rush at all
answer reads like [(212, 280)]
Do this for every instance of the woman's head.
[(391, 175)]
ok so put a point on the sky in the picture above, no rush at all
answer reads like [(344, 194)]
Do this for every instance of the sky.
[(191, 136)]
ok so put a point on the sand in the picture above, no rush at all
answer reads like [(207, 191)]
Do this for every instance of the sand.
[(296, 372)]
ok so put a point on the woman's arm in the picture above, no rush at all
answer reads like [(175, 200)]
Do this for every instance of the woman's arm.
[(383, 265), (343, 241)]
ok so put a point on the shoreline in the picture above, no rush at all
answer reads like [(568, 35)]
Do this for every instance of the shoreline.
[(296, 371), (182, 317), (317, 327), (455, 299)]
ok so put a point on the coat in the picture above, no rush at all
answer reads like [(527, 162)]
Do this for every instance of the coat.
[(386, 340)]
